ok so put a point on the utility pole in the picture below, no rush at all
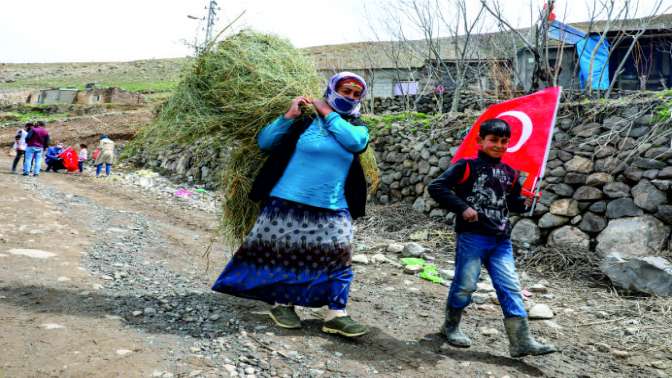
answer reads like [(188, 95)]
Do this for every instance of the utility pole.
[(212, 12)]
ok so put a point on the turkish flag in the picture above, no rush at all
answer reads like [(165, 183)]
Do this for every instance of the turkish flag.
[(532, 119), (70, 159)]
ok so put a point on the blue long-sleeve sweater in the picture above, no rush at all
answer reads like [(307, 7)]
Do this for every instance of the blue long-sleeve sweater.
[(317, 171)]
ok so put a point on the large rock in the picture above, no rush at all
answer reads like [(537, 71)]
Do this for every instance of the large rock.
[(526, 231), (419, 205), (666, 173), (579, 164), (623, 207), (565, 207), (587, 193), (599, 179), (649, 274), (413, 250), (568, 236), (444, 162), (639, 236), (647, 196), (633, 174), (540, 311), (615, 123), (549, 220), (575, 178), (664, 213), (663, 185), (562, 189), (587, 130), (592, 223), (616, 190), (598, 207), (645, 163)]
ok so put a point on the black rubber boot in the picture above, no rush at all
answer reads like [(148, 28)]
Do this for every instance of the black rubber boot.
[(521, 343), (451, 328)]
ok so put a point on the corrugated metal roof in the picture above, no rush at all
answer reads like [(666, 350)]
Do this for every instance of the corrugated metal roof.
[(413, 54)]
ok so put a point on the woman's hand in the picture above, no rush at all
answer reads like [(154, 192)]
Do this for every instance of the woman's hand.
[(295, 108), (322, 107), (470, 215)]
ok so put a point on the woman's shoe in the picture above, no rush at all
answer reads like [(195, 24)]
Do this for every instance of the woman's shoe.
[(344, 326), (285, 317)]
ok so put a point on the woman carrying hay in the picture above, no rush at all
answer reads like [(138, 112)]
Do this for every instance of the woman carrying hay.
[(299, 250)]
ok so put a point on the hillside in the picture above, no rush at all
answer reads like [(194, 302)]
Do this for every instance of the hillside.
[(155, 75)]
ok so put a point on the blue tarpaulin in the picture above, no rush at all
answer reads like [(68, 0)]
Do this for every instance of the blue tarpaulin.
[(585, 44), (600, 74), (565, 33)]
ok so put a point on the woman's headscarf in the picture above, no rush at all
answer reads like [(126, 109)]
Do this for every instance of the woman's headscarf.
[(103, 136), (341, 104)]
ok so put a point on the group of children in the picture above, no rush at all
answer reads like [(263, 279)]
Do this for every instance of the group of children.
[(31, 141), (55, 162)]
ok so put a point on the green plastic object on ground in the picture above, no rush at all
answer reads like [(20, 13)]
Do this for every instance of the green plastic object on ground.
[(406, 261), (429, 271), (200, 190)]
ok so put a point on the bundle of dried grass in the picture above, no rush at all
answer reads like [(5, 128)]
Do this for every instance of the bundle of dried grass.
[(227, 97)]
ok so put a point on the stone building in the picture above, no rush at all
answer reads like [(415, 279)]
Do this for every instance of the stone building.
[(89, 96)]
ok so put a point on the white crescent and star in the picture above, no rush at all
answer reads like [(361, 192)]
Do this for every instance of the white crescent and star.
[(527, 128)]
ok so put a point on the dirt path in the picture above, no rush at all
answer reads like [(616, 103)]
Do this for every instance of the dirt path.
[(101, 279)]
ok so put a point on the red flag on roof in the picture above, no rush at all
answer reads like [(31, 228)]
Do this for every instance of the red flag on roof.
[(532, 119)]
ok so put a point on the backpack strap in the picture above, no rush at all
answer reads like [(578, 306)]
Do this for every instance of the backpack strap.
[(515, 179), (467, 172)]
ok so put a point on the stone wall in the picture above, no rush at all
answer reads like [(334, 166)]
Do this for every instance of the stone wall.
[(606, 186), (469, 100), (191, 164)]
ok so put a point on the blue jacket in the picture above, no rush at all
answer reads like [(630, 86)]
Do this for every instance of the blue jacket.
[(52, 154), (319, 166)]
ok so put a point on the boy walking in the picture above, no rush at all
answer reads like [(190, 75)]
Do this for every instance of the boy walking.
[(481, 192)]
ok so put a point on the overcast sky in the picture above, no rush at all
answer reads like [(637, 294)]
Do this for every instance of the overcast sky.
[(122, 30)]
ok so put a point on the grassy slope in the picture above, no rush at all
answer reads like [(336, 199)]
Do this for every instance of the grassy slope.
[(157, 75)]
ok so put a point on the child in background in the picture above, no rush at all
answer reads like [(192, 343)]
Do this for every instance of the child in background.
[(481, 192), (20, 145), (83, 156)]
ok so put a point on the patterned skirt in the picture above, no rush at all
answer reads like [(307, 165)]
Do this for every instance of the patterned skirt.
[(295, 254)]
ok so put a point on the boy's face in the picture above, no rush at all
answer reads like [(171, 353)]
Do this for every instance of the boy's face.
[(493, 146)]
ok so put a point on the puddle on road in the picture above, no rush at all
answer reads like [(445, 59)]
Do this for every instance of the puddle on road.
[(33, 253)]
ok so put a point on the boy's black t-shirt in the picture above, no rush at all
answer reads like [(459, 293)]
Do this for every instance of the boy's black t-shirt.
[(491, 188)]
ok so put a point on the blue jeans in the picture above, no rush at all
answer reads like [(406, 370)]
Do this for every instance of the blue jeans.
[(28, 159), (496, 253), (99, 168)]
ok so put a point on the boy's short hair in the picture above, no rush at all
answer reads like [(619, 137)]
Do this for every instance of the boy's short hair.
[(496, 127), (82, 145)]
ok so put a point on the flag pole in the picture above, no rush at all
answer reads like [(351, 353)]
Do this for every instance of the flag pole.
[(548, 149), (534, 200)]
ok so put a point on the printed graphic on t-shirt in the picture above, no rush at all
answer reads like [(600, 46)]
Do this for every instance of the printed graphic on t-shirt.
[(488, 196)]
